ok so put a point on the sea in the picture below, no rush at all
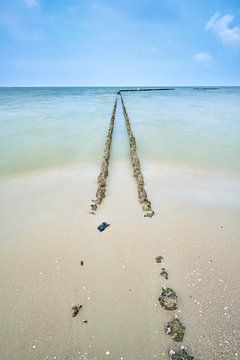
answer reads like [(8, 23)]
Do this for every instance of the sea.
[(42, 128), (51, 147)]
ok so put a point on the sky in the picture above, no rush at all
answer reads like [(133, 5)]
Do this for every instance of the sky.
[(117, 43)]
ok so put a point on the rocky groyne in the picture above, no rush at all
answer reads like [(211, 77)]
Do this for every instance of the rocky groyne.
[(101, 180), (137, 172)]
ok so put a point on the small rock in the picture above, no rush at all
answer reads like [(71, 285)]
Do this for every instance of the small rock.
[(147, 206), (81, 263), (94, 207), (164, 273), (175, 329), (168, 299), (179, 355), (85, 321), (159, 259), (76, 309), (149, 214)]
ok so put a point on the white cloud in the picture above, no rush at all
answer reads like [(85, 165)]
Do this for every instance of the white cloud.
[(203, 57), (220, 26), (32, 3)]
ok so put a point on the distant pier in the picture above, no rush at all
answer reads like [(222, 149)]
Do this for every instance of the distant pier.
[(147, 89)]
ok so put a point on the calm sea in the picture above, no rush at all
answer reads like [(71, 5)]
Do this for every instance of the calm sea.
[(42, 128)]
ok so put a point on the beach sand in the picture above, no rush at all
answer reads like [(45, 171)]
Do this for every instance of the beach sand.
[(46, 231)]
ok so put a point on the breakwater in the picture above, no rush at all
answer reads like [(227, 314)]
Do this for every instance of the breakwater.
[(101, 180), (150, 89), (137, 171)]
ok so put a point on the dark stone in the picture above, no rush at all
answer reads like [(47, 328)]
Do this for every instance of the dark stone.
[(76, 309), (149, 214), (168, 299), (175, 329), (94, 207), (179, 355), (164, 273), (158, 259)]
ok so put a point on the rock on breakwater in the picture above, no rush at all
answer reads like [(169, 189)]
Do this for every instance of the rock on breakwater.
[(137, 172), (101, 180)]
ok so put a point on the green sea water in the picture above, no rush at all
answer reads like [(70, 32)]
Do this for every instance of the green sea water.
[(44, 128)]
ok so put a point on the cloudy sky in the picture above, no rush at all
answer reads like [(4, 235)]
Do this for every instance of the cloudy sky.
[(110, 42)]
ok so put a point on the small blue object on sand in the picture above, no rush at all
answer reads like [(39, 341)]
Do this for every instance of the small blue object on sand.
[(103, 226)]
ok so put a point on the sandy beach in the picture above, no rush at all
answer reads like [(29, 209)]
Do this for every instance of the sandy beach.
[(119, 180), (46, 231)]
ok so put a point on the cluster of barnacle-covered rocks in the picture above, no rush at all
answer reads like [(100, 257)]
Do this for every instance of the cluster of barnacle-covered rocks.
[(101, 180), (174, 328), (137, 172)]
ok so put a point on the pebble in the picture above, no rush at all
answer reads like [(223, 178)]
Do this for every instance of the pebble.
[(158, 259), (164, 273), (76, 309)]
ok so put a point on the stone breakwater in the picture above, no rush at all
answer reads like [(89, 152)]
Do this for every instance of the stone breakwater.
[(137, 172), (101, 180)]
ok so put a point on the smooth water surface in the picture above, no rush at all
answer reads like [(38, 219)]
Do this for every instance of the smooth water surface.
[(42, 128)]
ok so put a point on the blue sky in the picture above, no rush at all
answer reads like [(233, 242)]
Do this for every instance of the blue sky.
[(114, 43)]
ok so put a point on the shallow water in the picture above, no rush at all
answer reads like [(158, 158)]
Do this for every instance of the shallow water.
[(54, 137), (42, 128)]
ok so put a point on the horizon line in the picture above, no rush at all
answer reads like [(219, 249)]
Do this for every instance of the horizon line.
[(113, 86)]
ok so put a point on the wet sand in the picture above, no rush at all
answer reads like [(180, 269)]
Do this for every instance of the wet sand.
[(46, 231)]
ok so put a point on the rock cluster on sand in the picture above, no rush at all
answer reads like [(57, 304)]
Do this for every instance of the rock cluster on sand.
[(142, 195), (101, 180), (175, 329), (168, 299)]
